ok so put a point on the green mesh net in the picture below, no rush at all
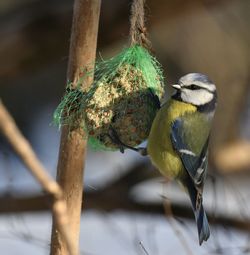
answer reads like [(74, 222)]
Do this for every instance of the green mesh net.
[(69, 108), (121, 98)]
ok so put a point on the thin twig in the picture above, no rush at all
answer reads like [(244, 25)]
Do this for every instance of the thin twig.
[(22, 147), (180, 236), (143, 248)]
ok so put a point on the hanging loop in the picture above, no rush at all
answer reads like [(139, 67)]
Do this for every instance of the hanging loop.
[(138, 31)]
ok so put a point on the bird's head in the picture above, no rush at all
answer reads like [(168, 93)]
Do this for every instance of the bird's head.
[(196, 89)]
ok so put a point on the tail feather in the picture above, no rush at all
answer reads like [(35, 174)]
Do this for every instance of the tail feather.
[(202, 225), (200, 215)]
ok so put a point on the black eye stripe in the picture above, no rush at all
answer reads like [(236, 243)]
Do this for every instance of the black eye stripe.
[(192, 87), (195, 87)]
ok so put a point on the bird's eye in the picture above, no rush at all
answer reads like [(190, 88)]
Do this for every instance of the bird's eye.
[(193, 87)]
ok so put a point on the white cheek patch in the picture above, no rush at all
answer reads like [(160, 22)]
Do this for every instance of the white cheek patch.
[(196, 97)]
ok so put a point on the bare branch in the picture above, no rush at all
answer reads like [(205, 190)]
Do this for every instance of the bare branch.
[(22, 147), (73, 147)]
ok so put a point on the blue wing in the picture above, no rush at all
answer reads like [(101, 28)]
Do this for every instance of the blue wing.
[(195, 165)]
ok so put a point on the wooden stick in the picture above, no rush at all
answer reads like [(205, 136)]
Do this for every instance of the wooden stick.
[(73, 145), (22, 147)]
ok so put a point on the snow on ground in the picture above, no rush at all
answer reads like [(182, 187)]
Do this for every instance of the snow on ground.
[(117, 233)]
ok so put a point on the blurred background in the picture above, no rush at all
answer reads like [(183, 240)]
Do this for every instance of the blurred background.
[(124, 194)]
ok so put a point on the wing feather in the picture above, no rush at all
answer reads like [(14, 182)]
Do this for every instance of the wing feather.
[(195, 165)]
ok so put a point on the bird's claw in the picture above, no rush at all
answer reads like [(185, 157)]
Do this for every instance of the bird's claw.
[(122, 146)]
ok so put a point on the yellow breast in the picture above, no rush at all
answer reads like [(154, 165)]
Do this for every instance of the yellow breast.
[(159, 146)]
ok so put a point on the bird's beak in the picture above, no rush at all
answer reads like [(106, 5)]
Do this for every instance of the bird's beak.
[(176, 86)]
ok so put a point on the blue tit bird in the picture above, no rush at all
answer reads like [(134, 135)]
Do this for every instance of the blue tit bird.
[(179, 136)]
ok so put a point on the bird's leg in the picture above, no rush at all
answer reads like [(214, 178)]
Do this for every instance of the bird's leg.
[(122, 146)]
